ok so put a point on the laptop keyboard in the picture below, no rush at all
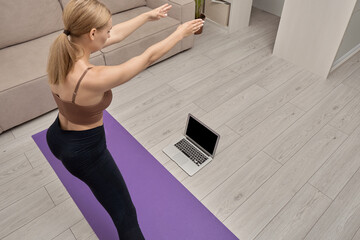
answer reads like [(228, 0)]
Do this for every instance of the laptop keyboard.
[(189, 150)]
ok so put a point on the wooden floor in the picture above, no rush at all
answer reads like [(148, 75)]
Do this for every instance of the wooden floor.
[(287, 165)]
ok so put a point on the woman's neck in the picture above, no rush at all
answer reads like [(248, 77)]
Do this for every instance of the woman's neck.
[(85, 58)]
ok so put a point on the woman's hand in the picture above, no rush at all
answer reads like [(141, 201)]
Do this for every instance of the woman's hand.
[(190, 27), (159, 12)]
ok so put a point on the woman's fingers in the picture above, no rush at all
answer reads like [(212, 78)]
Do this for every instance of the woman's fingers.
[(196, 27), (191, 26), (164, 8), (198, 23)]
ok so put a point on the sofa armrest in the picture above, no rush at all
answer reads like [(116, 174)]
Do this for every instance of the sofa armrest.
[(182, 10)]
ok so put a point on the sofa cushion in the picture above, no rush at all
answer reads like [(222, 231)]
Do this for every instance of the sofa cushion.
[(116, 6), (146, 30), (27, 61), (25, 102), (21, 21)]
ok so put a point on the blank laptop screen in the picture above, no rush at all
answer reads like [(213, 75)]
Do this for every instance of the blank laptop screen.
[(201, 135)]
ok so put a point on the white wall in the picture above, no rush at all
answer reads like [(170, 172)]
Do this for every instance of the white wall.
[(272, 6), (310, 32), (352, 35)]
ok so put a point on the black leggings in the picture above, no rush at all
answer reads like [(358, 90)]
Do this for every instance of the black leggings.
[(85, 155)]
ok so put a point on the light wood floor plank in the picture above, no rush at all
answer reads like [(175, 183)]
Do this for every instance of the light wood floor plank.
[(296, 219), (286, 145), (228, 110), (241, 41), (214, 36), (248, 119), (337, 171), (174, 103), (14, 168), (226, 91), (190, 78), (16, 147), (354, 79), (67, 235), (179, 64), (24, 211), (279, 77), (82, 230), (342, 219), (312, 96), (24, 185), (203, 87), (50, 224), (245, 64), (35, 156), (57, 191), (6, 136), (144, 102), (253, 216), (259, 19), (225, 60), (357, 235), (240, 152), (226, 198), (148, 117), (165, 127), (349, 117), (92, 237)]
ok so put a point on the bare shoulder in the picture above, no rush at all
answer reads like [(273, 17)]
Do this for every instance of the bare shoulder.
[(104, 78), (97, 78)]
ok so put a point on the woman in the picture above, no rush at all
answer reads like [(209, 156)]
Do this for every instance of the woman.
[(77, 136)]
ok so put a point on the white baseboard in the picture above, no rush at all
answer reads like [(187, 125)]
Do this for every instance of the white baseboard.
[(344, 58)]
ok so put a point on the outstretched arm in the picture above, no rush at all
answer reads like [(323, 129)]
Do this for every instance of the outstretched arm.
[(122, 30), (108, 77)]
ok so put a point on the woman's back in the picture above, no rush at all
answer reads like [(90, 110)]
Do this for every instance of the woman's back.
[(87, 104)]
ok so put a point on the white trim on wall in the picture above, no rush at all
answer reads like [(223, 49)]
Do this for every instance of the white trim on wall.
[(345, 57)]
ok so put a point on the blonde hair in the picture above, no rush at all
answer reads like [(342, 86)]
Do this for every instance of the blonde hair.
[(79, 17)]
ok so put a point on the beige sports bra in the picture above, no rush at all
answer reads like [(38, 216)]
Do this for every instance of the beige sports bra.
[(83, 115)]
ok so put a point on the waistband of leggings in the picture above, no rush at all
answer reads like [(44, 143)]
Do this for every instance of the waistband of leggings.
[(88, 132)]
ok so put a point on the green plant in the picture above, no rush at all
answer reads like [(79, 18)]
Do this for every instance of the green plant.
[(198, 8)]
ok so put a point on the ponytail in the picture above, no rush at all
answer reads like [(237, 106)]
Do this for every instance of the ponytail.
[(62, 58), (79, 17)]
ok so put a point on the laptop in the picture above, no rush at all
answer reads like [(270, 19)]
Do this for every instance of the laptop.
[(196, 149)]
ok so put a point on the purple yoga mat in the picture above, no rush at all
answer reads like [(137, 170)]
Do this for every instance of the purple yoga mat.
[(166, 209)]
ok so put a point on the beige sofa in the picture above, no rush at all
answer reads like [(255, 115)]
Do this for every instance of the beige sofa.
[(29, 27)]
